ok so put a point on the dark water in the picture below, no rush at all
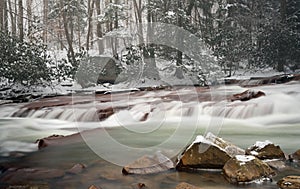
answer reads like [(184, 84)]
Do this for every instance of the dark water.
[(105, 174)]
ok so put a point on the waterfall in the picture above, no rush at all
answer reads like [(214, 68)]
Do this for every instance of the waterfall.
[(153, 105)]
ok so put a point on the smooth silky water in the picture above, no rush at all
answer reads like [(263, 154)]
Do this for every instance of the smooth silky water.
[(108, 175)]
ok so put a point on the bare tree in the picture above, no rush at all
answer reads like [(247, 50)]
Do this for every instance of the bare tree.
[(179, 73), (67, 33), (45, 20), (2, 15), (99, 29), (29, 17), (21, 19), (12, 18), (91, 4)]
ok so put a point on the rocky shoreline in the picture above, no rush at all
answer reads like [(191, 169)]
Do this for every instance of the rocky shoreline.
[(259, 164)]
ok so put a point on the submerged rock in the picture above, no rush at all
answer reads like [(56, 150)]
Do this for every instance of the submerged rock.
[(295, 156), (276, 164), (289, 182), (94, 187), (76, 169), (44, 142), (247, 95), (185, 185), (29, 186), (246, 169), (265, 150), (14, 175), (149, 165), (139, 186), (208, 152)]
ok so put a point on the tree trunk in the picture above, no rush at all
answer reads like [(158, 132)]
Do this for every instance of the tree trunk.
[(283, 13), (12, 17), (45, 20), (21, 20), (29, 17), (283, 10), (179, 65), (151, 70), (90, 14), (190, 7), (5, 16), (2, 15), (99, 29), (68, 35)]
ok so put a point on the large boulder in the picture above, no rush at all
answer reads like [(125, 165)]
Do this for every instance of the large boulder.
[(265, 150), (149, 165), (289, 182), (208, 152), (295, 156), (243, 169)]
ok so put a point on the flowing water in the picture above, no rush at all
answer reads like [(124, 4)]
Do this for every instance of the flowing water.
[(170, 126)]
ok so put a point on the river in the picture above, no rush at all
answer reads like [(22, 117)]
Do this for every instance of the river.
[(170, 125)]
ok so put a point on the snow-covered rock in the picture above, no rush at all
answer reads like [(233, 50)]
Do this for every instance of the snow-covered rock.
[(289, 182), (210, 152), (295, 156), (243, 169), (265, 150), (247, 95)]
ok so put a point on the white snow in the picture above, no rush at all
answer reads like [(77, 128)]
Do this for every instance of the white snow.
[(244, 158), (261, 145)]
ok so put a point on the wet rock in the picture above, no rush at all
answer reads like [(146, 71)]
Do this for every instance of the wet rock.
[(185, 185), (14, 175), (247, 95), (43, 143), (210, 152), (243, 169), (295, 156), (276, 164), (149, 165), (139, 186), (94, 187), (105, 113), (289, 182), (265, 150), (31, 186), (76, 169)]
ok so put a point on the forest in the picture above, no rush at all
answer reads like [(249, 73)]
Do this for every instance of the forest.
[(45, 41)]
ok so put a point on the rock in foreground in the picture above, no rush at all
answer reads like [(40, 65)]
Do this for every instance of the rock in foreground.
[(289, 182), (243, 169), (185, 185), (265, 150), (14, 175), (149, 165), (208, 152), (295, 156)]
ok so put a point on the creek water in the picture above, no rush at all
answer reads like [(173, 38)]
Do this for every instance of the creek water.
[(105, 146)]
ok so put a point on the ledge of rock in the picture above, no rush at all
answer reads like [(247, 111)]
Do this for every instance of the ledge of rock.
[(243, 169), (208, 152), (289, 182), (247, 95), (295, 156), (149, 165), (185, 185), (14, 175), (76, 169), (265, 150)]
